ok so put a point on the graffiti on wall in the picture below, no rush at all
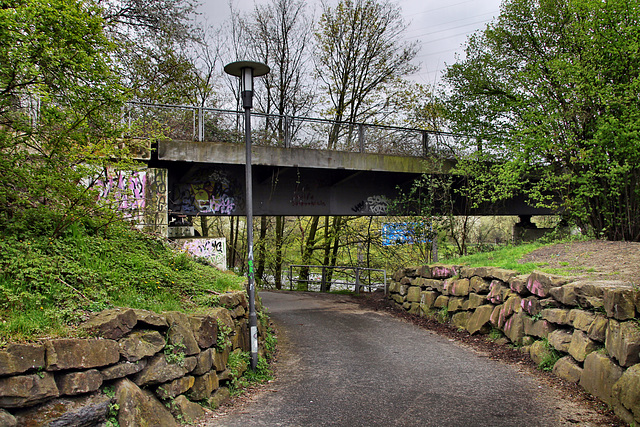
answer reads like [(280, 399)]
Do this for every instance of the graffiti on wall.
[(141, 196), (127, 189), (213, 250), (207, 192), (374, 205), (305, 198)]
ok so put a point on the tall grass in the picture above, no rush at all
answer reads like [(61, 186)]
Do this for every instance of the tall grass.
[(47, 286)]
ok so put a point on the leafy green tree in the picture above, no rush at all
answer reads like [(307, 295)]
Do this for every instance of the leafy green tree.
[(60, 107), (361, 59), (551, 91)]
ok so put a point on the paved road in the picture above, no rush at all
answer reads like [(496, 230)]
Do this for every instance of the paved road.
[(342, 365)]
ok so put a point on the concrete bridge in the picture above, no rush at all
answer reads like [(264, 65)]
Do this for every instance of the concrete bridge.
[(296, 169)]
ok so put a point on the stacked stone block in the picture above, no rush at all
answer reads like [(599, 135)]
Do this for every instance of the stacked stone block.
[(152, 367), (593, 325)]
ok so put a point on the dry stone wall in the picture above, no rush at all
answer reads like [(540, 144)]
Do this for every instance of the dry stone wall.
[(152, 368), (588, 330)]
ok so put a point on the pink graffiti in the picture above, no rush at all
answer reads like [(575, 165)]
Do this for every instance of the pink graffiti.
[(443, 272), (127, 188), (535, 287), (223, 204)]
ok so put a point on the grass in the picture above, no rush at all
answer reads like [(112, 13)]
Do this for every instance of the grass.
[(508, 257), (48, 286), (505, 257)]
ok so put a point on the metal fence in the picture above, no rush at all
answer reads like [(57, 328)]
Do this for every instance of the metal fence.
[(180, 122), (322, 278)]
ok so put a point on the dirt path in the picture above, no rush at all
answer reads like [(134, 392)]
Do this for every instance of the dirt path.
[(596, 259)]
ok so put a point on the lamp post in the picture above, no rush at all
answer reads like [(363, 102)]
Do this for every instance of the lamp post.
[(247, 70)]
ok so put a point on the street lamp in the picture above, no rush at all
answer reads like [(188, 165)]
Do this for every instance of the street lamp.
[(247, 70)]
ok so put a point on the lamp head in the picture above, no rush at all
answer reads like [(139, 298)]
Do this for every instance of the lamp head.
[(246, 70)]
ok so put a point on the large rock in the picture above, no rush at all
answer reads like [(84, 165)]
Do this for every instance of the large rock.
[(560, 339), (539, 352), (541, 283), (488, 273), (581, 319), (19, 358), (531, 305), (231, 300), (441, 271), (479, 285), (441, 302), (174, 388), (26, 390), (140, 408), (458, 288), (185, 410), (150, 319), (203, 386), (598, 329), (518, 284), (140, 344), (537, 328), (122, 369), (514, 328), (568, 369), (204, 362), (498, 292), (159, 371), (559, 316), (626, 391), (620, 303), (76, 353), (79, 382), (413, 294), (81, 411), (428, 284), (205, 329), (220, 359), (219, 397), (581, 345), (475, 301), (112, 324), (180, 334), (599, 376), (427, 299), (479, 320), (455, 304), (623, 341), (461, 319)]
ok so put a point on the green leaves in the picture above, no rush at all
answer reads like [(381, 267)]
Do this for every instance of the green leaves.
[(551, 88)]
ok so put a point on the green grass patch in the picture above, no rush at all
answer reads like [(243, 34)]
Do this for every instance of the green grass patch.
[(48, 286), (504, 257)]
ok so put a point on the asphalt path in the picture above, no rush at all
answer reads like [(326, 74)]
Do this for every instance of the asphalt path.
[(340, 364)]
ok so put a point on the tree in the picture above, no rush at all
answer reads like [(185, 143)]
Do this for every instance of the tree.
[(155, 38), (551, 89), (60, 107), (361, 59)]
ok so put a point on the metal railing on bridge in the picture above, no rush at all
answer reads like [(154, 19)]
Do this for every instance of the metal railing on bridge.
[(180, 122), (323, 278)]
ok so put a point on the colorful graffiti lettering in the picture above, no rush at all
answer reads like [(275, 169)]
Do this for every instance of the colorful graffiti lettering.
[(206, 191), (213, 250)]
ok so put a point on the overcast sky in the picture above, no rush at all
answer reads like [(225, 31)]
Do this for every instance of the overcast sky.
[(441, 26)]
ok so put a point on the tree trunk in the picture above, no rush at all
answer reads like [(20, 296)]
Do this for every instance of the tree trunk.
[(309, 247), (278, 261), (262, 253)]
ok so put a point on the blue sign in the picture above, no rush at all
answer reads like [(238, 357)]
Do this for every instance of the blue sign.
[(405, 233)]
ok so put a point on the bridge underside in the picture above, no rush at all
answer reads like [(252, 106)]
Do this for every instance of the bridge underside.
[(320, 183)]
